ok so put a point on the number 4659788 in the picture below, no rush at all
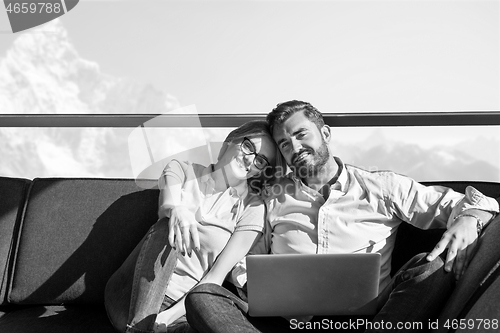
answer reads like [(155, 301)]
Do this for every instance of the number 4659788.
[(34, 7), (472, 324)]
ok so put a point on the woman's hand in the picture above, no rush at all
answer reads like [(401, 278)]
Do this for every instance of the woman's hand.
[(167, 317), (160, 328), (183, 230)]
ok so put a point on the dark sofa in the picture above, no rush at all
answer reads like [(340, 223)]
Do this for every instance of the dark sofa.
[(62, 238)]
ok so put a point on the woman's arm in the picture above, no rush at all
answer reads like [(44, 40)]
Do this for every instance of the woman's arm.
[(236, 248), (182, 222), (170, 185), (165, 318)]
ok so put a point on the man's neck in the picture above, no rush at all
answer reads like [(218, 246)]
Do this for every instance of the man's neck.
[(325, 177)]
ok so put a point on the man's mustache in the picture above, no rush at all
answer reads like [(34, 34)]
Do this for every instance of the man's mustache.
[(296, 155)]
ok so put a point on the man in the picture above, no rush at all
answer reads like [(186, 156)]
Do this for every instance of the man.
[(324, 206)]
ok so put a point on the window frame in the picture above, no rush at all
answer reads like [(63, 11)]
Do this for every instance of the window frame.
[(364, 119)]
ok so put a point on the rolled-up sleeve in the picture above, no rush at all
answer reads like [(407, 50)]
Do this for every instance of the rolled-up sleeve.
[(253, 215), (429, 207), (171, 180), (473, 199)]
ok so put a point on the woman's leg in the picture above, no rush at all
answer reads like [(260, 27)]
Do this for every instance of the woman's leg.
[(211, 308), (135, 292)]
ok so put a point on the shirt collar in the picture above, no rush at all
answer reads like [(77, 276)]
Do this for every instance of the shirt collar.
[(341, 181), (207, 180), (239, 191)]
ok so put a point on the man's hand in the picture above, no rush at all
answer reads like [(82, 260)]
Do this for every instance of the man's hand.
[(461, 241), (183, 228)]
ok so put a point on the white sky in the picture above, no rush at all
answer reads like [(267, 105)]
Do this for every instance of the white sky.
[(342, 56)]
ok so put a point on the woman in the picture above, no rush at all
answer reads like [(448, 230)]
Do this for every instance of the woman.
[(205, 213)]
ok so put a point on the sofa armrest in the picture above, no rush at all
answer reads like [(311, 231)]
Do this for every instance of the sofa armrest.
[(480, 269), (13, 194)]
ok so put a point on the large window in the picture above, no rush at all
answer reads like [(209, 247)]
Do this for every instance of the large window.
[(244, 57), (424, 153)]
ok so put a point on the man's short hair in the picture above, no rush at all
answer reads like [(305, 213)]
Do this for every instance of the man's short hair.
[(285, 110)]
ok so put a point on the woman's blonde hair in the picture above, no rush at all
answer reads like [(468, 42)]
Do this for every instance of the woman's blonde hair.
[(257, 128)]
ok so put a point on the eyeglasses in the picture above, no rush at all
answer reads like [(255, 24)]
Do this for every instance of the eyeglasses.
[(248, 148)]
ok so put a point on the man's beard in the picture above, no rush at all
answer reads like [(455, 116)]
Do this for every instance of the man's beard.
[(306, 169)]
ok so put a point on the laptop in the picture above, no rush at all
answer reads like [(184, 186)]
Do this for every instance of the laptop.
[(312, 284)]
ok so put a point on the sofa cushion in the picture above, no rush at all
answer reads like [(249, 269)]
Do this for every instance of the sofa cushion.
[(57, 319), (12, 196), (75, 233)]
